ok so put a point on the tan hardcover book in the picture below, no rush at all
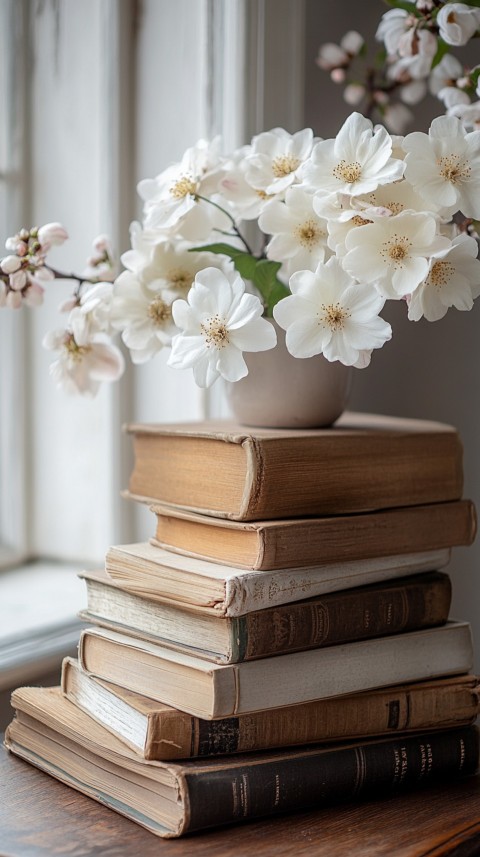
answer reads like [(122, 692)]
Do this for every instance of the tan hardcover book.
[(171, 799), (158, 731), (212, 587), (406, 604), (209, 690), (364, 462), (266, 545)]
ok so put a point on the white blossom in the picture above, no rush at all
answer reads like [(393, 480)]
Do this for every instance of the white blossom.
[(392, 252), (217, 323), (451, 96), (453, 280), (458, 23), (329, 313), (468, 114), (355, 162), (52, 234), (299, 235), (446, 73), (275, 159), (444, 166), (245, 202), (171, 204), (393, 25), (80, 367), (143, 316)]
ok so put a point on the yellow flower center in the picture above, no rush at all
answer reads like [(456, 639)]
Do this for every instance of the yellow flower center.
[(309, 233), (440, 274), (75, 351), (334, 316), (397, 250), (159, 312), (348, 172), (452, 169), (180, 279), (183, 187), (215, 332), (359, 221), (284, 165)]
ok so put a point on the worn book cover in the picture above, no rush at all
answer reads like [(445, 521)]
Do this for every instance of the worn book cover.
[(172, 799), (407, 604), (210, 690), (267, 545), (364, 462), (158, 731), (219, 589)]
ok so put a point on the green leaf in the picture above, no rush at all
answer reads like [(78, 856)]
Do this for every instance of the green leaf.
[(261, 272), (442, 49), (270, 287), (244, 262), (475, 74)]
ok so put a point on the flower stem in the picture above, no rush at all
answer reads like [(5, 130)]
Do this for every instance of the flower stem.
[(231, 219)]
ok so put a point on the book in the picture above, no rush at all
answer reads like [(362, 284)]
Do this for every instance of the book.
[(209, 690), (267, 545), (211, 587), (172, 799), (158, 731), (390, 607), (364, 462)]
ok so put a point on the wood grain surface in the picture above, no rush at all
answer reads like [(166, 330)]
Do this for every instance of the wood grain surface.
[(40, 817)]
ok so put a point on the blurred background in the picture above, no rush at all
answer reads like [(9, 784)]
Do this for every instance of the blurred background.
[(95, 97)]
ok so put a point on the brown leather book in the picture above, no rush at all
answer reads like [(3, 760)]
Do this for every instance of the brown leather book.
[(391, 607), (172, 799), (158, 731), (364, 462), (265, 545)]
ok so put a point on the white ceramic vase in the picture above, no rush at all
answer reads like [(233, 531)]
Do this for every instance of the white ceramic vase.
[(281, 391)]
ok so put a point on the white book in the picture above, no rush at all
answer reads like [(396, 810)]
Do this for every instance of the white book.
[(222, 590), (210, 690)]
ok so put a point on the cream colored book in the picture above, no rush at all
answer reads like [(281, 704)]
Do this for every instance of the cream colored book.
[(219, 589), (210, 690)]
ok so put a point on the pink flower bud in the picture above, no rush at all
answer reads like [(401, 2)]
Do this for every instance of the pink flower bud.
[(10, 264), (338, 75), (52, 234), (12, 243), (21, 249), (18, 280), (353, 93), (101, 243), (380, 97), (352, 42), (34, 295), (13, 300), (68, 305)]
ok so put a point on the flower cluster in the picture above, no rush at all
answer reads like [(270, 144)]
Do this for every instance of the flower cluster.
[(418, 36), (342, 226)]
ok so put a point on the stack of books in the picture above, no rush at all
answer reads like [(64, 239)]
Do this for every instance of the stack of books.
[(283, 641)]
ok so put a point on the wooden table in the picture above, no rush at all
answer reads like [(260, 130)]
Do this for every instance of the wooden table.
[(40, 817)]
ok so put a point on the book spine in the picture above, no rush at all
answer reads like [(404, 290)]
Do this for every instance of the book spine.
[(316, 779), (429, 705), (342, 617)]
